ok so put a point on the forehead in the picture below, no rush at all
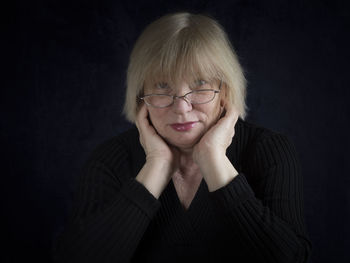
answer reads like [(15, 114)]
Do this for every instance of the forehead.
[(184, 68), (174, 77), (172, 81), (154, 84)]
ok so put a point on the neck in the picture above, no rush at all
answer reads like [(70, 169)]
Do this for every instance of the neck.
[(186, 152), (187, 167), (186, 156)]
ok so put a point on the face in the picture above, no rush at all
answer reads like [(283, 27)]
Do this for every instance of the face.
[(183, 124)]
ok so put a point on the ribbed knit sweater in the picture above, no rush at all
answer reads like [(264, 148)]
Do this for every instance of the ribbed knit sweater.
[(257, 217)]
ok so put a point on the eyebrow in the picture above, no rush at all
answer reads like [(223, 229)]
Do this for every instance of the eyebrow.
[(160, 83), (192, 85)]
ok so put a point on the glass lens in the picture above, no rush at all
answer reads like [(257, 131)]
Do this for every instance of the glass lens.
[(159, 100), (201, 96)]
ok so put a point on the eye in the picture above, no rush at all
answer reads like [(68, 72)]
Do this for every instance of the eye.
[(162, 85), (200, 83)]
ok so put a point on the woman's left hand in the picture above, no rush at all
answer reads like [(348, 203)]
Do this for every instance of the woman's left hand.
[(210, 152), (216, 140)]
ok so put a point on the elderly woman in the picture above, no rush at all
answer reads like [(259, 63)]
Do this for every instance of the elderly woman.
[(193, 181)]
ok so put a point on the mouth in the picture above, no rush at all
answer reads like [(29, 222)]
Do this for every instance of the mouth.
[(183, 127)]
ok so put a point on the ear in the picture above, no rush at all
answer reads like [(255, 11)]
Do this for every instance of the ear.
[(223, 95), (222, 102)]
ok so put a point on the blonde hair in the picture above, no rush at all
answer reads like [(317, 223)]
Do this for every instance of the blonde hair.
[(181, 46)]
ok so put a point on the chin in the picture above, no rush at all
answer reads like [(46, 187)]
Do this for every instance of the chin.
[(183, 144), (184, 140)]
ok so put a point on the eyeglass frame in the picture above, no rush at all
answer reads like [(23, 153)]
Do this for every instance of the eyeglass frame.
[(180, 97)]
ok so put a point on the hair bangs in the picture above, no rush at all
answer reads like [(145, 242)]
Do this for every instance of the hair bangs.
[(183, 59)]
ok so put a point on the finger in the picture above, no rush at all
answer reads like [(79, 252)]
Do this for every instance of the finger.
[(141, 118), (235, 115), (229, 121), (229, 115), (142, 112), (143, 123), (232, 113)]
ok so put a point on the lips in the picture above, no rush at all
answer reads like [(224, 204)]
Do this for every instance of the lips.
[(182, 127)]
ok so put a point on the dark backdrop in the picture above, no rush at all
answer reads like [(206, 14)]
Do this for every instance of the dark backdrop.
[(67, 96)]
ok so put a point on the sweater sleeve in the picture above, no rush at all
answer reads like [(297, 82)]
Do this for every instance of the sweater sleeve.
[(111, 213), (269, 223)]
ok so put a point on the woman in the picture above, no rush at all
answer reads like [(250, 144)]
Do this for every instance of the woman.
[(194, 181)]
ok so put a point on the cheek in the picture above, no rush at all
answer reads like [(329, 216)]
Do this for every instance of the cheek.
[(211, 113), (157, 117)]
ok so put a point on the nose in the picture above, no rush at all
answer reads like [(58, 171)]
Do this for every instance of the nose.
[(181, 105)]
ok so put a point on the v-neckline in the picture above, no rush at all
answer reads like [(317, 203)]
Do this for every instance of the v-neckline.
[(194, 201)]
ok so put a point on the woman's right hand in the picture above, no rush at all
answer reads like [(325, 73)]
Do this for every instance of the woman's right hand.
[(161, 159), (155, 147)]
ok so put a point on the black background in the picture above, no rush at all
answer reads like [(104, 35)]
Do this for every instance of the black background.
[(67, 96)]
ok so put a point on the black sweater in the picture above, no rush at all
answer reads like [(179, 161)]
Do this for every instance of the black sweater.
[(257, 217)]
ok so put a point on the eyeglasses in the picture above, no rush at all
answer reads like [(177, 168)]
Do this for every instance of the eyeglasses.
[(200, 96)]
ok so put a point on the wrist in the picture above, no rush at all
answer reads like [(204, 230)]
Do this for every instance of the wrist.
[(218, 172), (154, 175), (204, 157)]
